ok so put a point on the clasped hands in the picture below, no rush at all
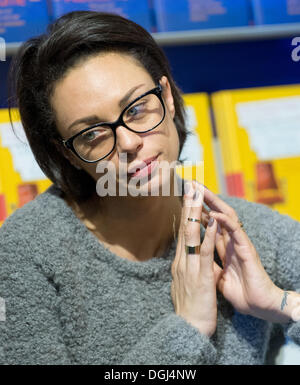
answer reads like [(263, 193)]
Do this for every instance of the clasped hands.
[(242, 279)]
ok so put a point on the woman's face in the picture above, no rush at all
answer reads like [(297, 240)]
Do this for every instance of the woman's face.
[(95, 89)]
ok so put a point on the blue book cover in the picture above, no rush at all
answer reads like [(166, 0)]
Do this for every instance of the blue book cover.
[(138, 11), (276, 12), (200, 14), (22, 19)]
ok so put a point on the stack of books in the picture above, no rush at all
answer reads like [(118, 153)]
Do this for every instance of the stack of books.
[(21, 179), (22, 19), (258, 131), (200, 152), (139, 11), (200, 14), (276, 11)]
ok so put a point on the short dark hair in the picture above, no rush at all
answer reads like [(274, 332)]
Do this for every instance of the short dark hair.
[(43, 60)]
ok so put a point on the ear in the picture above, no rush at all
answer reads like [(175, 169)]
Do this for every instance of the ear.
[(167, 95)]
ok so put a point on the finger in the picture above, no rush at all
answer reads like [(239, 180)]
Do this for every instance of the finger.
[(184, 215), (218, 272), (192, 231), (183, 219), (207, 250), (205, 212), (220, 283), (232, 227), (196, 214), (217, 204), (226, 237), (204, 217), (185, 229), (229, 245), (219, 241), (200, 193), (220, 244)]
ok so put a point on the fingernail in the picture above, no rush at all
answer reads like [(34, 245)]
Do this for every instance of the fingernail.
[(211, 221)]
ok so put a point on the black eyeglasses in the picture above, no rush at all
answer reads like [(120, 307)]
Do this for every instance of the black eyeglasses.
[(142, 115)]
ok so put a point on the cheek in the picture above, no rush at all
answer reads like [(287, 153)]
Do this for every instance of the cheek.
[(91, 170), (176, 147), (103, 169), (172, 141)]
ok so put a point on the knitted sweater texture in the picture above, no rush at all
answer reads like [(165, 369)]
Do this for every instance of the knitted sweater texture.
[(70, 300)]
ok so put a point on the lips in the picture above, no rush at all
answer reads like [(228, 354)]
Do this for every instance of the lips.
[(139, 166)]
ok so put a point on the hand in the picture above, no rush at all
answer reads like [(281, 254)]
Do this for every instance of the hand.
[(194, 276), (243, 281)]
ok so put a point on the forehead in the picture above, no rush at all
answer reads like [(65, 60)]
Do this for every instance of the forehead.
[(100, 80)]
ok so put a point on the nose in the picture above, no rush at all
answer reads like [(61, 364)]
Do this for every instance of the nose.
[(128, 141)]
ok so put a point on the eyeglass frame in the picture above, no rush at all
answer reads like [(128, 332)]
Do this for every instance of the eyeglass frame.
[(68, 143)]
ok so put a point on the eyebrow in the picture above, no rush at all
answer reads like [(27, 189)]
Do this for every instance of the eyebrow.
[(94, 118)]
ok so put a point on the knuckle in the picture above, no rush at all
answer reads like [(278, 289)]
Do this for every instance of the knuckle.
[(233, 213), (206, 250), (180, 272), (188, 232), (205, 254)]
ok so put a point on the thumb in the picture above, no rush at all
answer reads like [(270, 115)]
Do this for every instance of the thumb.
[(218, 271)]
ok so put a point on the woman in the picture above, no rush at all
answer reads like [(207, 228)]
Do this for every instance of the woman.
[(123, 279)]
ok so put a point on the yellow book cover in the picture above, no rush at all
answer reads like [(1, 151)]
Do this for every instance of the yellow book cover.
[(21, 179), (260, 131), (224, 118), (199, 148)]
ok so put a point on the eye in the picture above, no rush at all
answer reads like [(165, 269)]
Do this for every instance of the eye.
[(91, 136), (135, 110)]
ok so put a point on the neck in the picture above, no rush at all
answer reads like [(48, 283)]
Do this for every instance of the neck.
[(136, 228)]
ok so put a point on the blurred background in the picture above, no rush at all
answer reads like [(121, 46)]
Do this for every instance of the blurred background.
[(237, 63)]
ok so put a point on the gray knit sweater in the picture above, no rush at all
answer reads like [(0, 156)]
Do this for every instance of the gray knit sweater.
[(69, 300)]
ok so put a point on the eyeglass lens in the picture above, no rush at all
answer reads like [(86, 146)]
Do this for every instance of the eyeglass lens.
[(144, 115)]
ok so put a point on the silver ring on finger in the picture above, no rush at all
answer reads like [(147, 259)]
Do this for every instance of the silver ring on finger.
[(192, 249), (194, 220)]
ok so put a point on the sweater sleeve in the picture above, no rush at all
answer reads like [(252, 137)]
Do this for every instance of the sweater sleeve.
[(172, 341), (288, 252), (30, 333), (287, 263), (288, 266), (282, 234)]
